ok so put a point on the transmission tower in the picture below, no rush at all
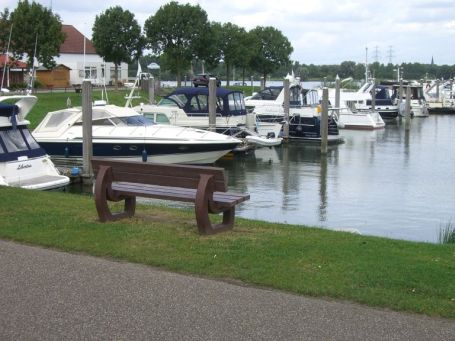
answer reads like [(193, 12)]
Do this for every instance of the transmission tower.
[(376, 54), (390, 54)]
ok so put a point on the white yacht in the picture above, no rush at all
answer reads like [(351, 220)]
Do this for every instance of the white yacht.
[(304, 116), (188, 107), (440, 96), (23, 162), (417, 101), (122, 133)]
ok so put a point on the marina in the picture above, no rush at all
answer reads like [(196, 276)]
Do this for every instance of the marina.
[(390, 182)]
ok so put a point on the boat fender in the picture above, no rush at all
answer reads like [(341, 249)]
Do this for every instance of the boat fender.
[(144, 155), (66, 152)]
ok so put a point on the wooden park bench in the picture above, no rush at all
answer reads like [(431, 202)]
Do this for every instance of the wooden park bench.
[(204, 186)]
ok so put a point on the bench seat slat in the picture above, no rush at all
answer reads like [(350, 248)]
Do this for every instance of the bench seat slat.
[(175, 193)]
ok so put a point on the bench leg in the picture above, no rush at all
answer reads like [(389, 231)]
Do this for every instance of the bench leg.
[(203, 196), (102, 195)]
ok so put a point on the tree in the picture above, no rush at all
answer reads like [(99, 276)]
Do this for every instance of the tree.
[(230, 40), (272, 50), (181, 33), (5, 27), (347, 69), (35, 26), (117, 37)]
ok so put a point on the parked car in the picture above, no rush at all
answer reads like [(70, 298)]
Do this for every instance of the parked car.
[(202, 79)]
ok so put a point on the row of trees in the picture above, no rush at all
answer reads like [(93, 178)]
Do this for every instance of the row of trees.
[(179, 35)]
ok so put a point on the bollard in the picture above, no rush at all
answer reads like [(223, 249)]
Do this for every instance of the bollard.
[(337, 95), (286, 108), (212, 104), (87, 148), (407, 111), (152, 90), (324, 121)]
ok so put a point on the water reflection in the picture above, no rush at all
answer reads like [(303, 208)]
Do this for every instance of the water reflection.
[(390, 182)]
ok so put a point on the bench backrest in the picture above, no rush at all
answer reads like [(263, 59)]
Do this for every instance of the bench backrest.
[(185, 176)]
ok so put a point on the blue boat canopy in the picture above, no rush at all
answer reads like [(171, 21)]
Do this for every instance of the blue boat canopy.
[(194, 101)]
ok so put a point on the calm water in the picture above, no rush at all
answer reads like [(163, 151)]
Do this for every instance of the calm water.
[(389, 183)]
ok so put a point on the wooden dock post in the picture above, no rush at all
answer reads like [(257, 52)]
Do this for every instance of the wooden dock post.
[(324, 120), (337, 96), (400, 96), (152, 90), (373, 96), (437, 91), (407, 111), (87, 148), (212, 104), (286, 105)]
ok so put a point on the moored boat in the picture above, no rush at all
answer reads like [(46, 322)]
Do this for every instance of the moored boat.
[(189, 107), (121, 132), (23, 162)]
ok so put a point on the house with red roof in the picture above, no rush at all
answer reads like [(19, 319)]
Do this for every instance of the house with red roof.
[(79, 55), (12, 72)]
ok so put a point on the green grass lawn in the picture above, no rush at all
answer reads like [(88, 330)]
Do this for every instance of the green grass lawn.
[(401, 275)]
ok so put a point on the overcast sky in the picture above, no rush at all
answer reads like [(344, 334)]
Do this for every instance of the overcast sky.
[(320, 31)]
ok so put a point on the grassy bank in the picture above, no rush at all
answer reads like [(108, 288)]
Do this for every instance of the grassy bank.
[(415, 277)]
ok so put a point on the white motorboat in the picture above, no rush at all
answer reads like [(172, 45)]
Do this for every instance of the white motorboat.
[(188, 107), (23, 162), (354, 112), (304, 117), (121, 132), (417, 101), (440, 96)]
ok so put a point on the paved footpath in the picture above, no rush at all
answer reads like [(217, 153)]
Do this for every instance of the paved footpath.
[(51, 295)]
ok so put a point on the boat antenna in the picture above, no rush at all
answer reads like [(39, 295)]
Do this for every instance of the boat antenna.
[(130, 97), (32, 77), (6, 57), (104, 84)]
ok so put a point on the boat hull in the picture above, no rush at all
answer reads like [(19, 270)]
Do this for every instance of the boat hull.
[(188, 153), (36, 173)]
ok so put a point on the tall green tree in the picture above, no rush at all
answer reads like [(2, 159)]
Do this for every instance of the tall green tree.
[(272, 50), (5, 27), (180, 33), (35, 26), (230, 40), (117, 37)]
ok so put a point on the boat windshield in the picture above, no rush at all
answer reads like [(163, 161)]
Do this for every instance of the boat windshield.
[(174, 101), (268, 94), (138, 120), (18, 142)]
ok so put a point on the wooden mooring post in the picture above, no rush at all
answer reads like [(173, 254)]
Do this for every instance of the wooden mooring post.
[(324, 127), (152, 90), (407, 110), (87, 147), (373, 96), (286, 105), (337, 95), (212, 104)]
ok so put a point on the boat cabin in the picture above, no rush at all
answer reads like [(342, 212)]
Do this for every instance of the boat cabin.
[(16, 141), (195, 101)]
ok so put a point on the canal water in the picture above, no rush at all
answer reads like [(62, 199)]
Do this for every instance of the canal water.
[(391, 182)]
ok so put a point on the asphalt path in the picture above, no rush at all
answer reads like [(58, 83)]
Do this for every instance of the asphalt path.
[(52, 295)]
